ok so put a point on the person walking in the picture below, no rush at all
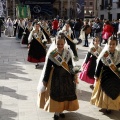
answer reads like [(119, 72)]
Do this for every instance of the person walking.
[(106, 94), (60, 93)]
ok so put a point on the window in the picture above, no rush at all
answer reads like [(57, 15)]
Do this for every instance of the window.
[(91, 3), (84, 3), (118, 4)]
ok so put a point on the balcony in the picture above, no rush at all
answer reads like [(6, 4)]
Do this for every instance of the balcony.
[(101, 7)]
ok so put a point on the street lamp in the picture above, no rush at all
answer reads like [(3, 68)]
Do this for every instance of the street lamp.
[(109, 7)]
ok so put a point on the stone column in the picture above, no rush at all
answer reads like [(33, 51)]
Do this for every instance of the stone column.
[(13, 9), (6, 8), (61, 8), (68, 8)]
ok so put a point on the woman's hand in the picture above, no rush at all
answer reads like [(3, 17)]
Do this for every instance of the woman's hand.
[(28, 46), (76, 79)]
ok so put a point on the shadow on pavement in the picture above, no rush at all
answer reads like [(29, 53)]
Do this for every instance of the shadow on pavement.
[(83, 95), (81, 53), (6, 114), (77, 116), (10, 70), (11, 93)]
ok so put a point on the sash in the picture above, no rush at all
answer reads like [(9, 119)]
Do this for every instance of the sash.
[(46, 31), (110, 63), (60, 60), (95, 52), (29, 29), (39, 40), (69, 38)]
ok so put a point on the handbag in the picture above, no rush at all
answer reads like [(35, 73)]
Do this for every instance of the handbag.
[(106, 35)]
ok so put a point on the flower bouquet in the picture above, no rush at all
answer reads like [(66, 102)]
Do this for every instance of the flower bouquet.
[(74, 70), (44, 41), (117, 71)]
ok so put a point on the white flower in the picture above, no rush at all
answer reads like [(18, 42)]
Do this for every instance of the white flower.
[(35, 34), (119, 69), (44, 40), (76, 69)]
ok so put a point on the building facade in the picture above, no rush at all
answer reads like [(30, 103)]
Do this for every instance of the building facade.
[(89, 8), (63, 8), (109, 9)]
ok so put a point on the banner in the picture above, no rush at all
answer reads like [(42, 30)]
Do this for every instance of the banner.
[(23, 11), (28, 12), (40, 8), (80, 9)]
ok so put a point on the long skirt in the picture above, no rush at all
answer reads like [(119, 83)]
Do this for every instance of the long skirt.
[(100, 99), (36, 52), (48, 104), (84, 74)]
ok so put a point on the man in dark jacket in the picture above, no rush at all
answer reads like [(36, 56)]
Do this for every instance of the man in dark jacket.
[(97, 28), (1, 23), (77, 28)]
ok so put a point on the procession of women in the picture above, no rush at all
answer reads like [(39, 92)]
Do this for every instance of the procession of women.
[(54, 43)]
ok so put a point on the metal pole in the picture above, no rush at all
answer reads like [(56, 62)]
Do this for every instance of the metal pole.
[(61, 8), (13, 9)]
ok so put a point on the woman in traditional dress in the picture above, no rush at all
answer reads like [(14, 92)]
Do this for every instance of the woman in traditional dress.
[(69, 38), (60, 91), (46, 30), (89, 64), (10, 27), (26, 33), (37, 49), (15, 25), (106, 93), (21, 27)]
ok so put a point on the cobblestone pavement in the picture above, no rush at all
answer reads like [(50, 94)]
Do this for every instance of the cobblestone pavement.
[(18, 82)]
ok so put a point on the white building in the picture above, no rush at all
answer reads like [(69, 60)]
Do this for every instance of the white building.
[(108, 9)]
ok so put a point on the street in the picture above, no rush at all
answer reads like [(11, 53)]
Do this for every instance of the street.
[(18, 87)]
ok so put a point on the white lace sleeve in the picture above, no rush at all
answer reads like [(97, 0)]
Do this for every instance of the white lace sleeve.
[(30, 37)]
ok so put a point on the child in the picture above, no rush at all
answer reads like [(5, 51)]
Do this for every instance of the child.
[(89, 64), (60, 84), (106, 93)]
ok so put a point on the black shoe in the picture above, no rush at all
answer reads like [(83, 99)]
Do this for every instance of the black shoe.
[(84, 45), (92, 87), (108, 111), (102, 110), (37, 66), (56, 117), (62, 115)]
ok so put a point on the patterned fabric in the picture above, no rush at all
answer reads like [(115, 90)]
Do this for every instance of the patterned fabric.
[(100, 99), (62, 85), (115, 58)]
